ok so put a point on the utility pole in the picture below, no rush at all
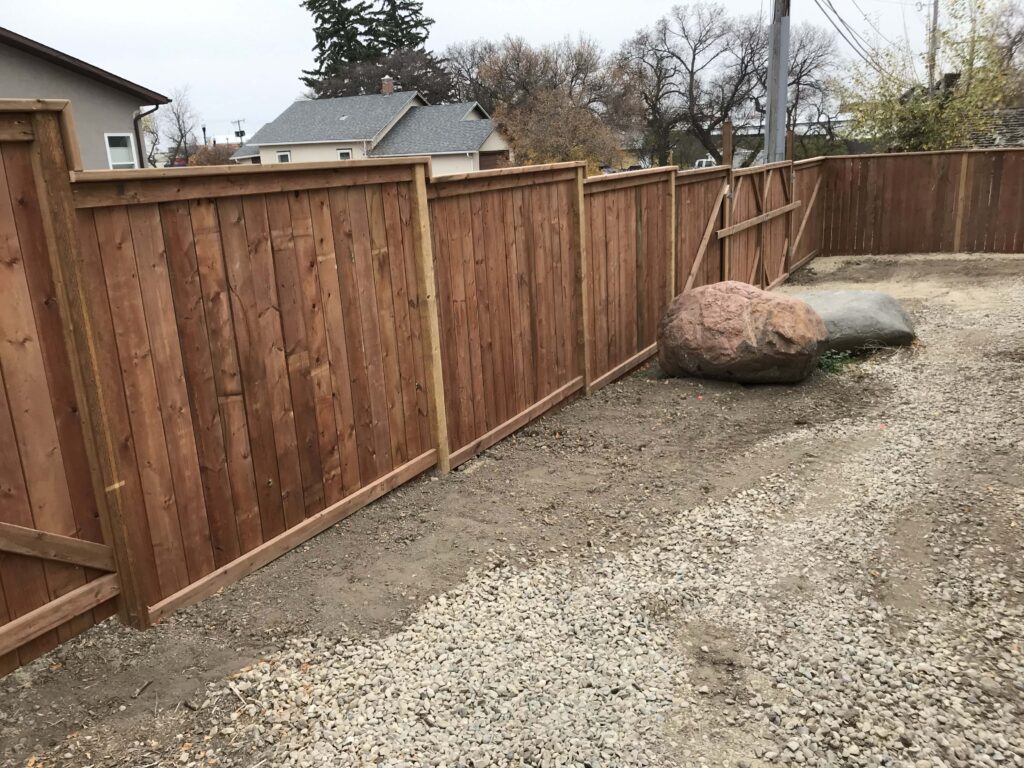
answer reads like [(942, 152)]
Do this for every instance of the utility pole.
[(778, 83), (239, 133), (933, 45)]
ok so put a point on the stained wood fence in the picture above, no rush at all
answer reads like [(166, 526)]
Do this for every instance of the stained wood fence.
[(967, 200), (202, 368), (630, 265), (507, 248)]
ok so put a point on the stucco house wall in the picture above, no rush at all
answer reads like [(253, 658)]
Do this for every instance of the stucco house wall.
[(98, 109), (442, 165), (311, 153), (495, 143)]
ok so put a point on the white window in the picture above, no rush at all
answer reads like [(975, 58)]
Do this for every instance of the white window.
[(284, 156), (344, 154), (120, 151)]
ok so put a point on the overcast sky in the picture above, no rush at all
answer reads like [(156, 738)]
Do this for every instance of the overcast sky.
[(243, 59)]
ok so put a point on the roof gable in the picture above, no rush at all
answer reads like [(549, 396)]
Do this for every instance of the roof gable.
[(347, 118), (432, 130), (53, 56)]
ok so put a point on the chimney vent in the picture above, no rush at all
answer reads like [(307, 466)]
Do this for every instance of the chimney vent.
[(387, 85)]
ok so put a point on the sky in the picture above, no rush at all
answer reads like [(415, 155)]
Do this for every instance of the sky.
[(242, 60)]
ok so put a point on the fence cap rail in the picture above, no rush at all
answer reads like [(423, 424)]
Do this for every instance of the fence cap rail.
[(662, 169), (140, 174), (699, 174), (758, 168), (33, 105), (514, 170), (963, 151)]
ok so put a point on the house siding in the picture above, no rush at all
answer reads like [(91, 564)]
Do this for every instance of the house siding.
[(98, 109), (442, 165), (312, 153)]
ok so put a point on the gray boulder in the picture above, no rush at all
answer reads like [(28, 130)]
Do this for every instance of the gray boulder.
[(861, 319)]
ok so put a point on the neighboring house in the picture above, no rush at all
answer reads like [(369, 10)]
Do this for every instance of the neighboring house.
[(1007, 130), (457, 137), (106, 107)]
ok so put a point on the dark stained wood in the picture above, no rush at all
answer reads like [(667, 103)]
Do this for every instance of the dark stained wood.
[(135, 354), (337, 344), (227, 377), (197, 361), (255, 356), (182, 453)]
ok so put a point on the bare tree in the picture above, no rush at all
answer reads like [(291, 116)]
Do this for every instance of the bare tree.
[(648, 99), (178, 121), (550, 99), (151, 139)]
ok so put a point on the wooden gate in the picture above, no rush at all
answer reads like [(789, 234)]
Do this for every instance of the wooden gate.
[(759, 224), (700, 200), (57, 573)]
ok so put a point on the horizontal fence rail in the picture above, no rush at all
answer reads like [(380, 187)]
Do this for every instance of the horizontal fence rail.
[(202, 368)]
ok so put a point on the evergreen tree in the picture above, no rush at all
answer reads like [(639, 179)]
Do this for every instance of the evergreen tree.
[(344, 32), (400, 25)]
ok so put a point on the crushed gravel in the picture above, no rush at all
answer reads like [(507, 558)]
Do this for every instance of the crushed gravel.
[(862, 607)]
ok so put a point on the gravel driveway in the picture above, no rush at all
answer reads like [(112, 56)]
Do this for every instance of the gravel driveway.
[(860, 602)]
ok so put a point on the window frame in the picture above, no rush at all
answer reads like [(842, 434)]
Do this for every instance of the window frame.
[(131, 145), (279, 152), (344, 150)]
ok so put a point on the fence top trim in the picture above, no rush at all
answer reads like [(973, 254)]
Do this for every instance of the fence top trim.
[(33, 105), (758, 168), (965, 150), (518, 169), (699, 174), (660, 170), (140, 174)]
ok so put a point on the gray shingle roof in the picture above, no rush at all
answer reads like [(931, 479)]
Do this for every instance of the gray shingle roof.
[(348, 118), (1007, 130), (245, 151), (435, 129)]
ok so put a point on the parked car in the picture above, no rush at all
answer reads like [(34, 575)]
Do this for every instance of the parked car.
[(706, 162)]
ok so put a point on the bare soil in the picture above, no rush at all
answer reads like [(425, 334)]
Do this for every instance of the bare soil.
[(573, 479)]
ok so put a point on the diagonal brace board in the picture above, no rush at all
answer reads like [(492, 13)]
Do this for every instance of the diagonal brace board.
[(723, 233), (712, 220), (53, 546)]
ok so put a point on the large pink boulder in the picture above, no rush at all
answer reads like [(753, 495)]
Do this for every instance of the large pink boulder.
[(737, 332)]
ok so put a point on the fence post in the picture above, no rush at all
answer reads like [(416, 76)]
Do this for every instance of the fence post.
[(111, 457), (429, 318), (961, 204), (583, 330), (672, 234)]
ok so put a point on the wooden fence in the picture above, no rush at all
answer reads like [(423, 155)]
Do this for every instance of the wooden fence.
[(924, 202), (508, 263), (628, 219), (202, 368), (700, 205)]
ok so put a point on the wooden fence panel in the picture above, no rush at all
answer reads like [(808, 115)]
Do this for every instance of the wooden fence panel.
[(270, 342), (700, 212), (923, 202), (809, 222), (508, 261), (629, 267), (49, 516)]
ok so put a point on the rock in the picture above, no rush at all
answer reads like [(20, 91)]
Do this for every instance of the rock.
[(861, 319), (737, 332)]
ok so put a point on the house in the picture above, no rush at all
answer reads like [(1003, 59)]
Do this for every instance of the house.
[(457, 137), (1005, 128), (107, 108)]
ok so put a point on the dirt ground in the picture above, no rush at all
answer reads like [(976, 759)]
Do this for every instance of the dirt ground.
[(596, 474)]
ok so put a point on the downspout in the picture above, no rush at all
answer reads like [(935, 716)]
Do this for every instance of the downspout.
[(139, 145)]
